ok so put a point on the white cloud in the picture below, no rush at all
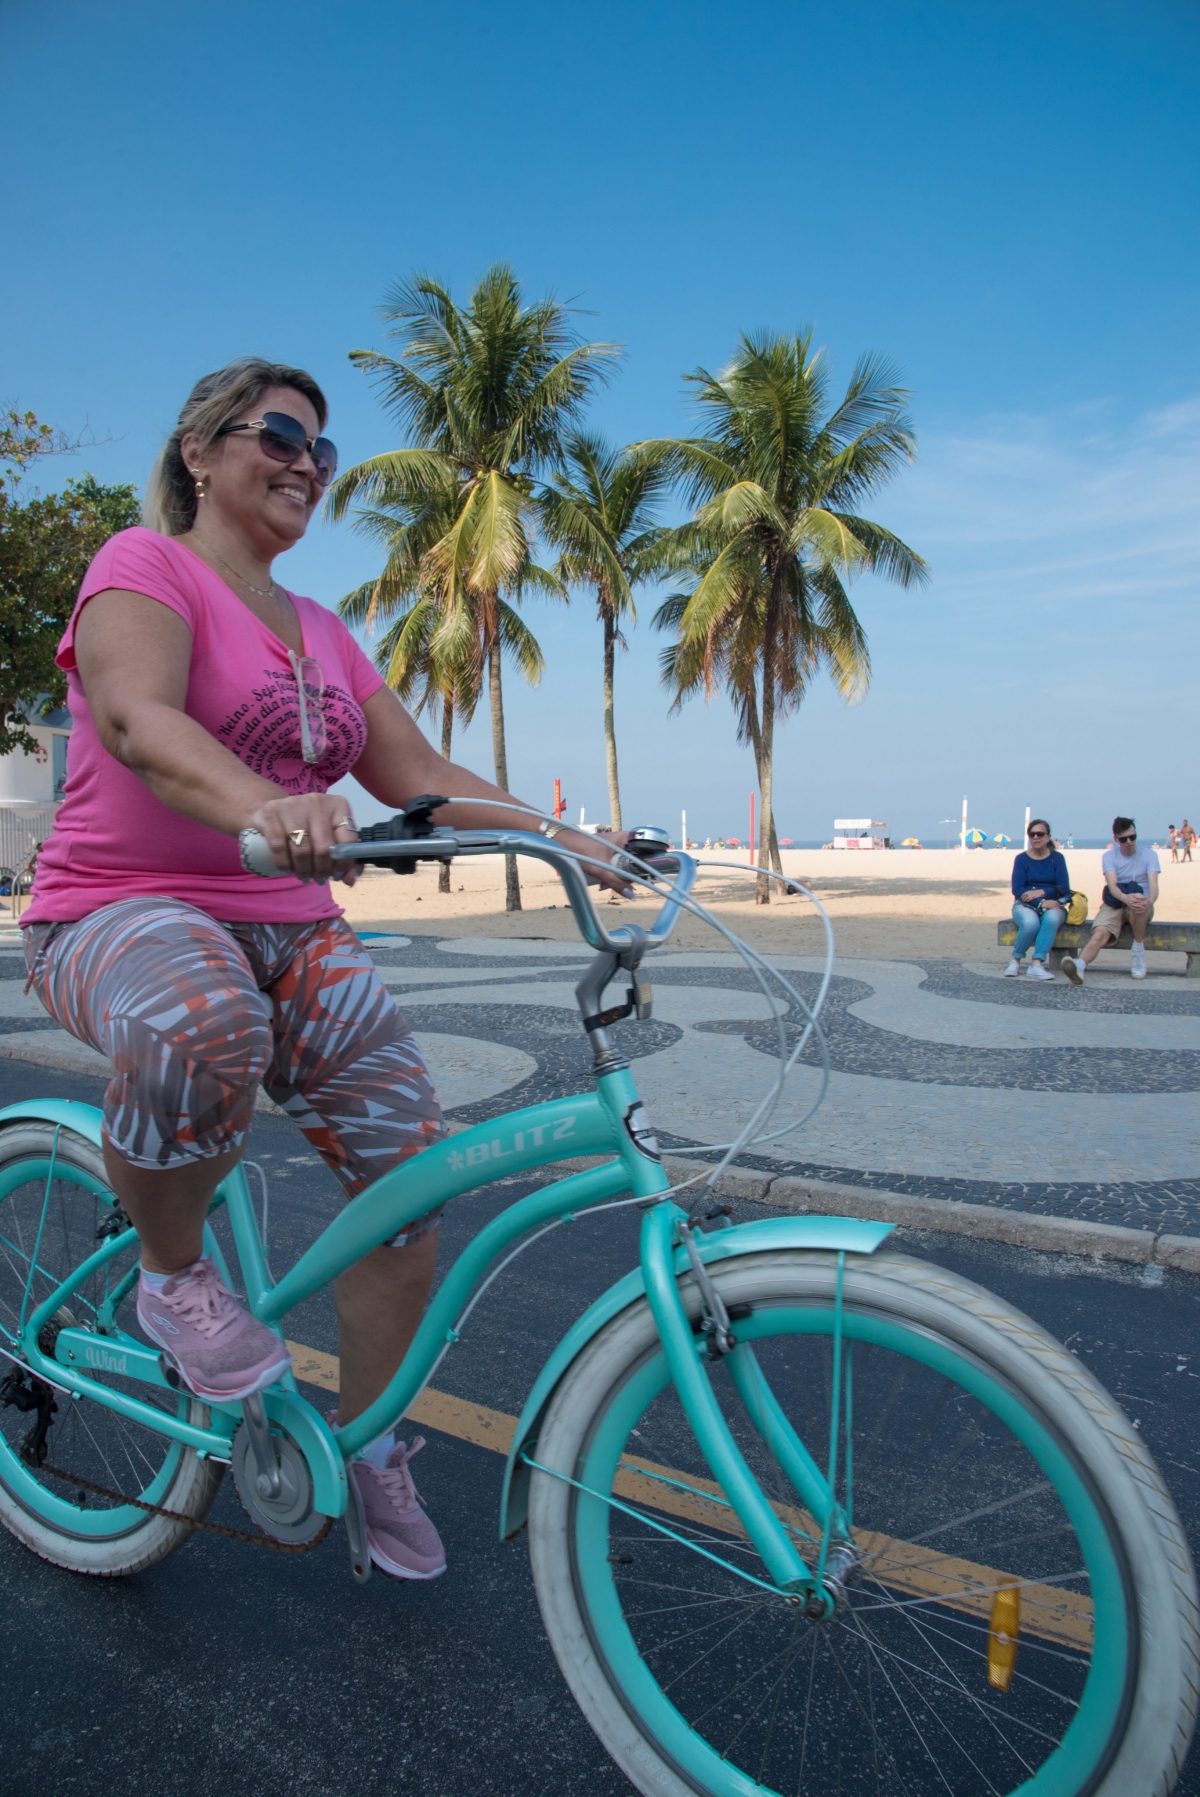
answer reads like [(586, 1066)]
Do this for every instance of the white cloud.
[(1068, 505)]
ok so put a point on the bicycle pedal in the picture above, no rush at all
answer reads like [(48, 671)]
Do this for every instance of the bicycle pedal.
[(169, 1373)]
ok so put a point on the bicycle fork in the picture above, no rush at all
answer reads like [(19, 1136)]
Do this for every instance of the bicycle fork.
[(663, 1227)]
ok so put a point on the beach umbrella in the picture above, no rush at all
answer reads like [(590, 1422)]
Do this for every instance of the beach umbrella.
[(785, 842), (732, 842), (911, 842), (975, 839), (1002, 840)]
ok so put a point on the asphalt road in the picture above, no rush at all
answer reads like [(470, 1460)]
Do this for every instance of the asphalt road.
[(234, 1670)]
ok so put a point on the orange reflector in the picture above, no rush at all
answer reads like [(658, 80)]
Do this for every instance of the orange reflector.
[(1003, 1632)]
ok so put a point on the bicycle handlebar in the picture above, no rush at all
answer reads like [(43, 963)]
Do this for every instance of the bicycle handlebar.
[(445, 844)]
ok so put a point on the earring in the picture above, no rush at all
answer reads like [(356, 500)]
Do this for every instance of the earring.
[(200, 487)]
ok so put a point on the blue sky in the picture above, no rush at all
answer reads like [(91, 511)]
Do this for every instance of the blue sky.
[(1001, 194)]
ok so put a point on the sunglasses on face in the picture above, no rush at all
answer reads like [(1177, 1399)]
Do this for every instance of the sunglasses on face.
[(283, 439), (1035, 835), (1132, 838)]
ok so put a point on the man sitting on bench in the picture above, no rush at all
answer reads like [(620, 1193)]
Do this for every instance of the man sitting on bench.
[(1130, 894)]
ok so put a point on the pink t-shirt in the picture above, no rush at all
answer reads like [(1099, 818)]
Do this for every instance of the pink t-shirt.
[(112, 838)]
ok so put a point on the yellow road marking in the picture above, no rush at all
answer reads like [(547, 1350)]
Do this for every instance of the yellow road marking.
[(965, 1585)]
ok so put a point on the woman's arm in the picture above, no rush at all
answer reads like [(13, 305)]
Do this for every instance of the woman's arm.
[(399, 762), (134, 656)]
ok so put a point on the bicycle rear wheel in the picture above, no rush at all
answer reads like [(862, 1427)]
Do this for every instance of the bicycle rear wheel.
[(984, 1460), (54, 1201)]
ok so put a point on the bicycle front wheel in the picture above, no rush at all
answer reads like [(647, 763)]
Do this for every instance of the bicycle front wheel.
[(997, 1495), (55, 1202)]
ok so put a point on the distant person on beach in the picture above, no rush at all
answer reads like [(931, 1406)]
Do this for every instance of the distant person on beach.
[(1130, 894), (1041, 889), (1173, 841), (1187, 837)]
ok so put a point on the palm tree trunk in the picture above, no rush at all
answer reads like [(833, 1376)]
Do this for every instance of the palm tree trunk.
[(447, 734), (756, 739), (512, 884), (766, 772), (610, 735)]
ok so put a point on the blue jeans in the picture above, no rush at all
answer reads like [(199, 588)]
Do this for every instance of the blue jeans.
[(1040, 930)]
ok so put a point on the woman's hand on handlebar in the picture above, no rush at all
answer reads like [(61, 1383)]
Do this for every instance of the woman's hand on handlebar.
[(583, 844), (301, 828)]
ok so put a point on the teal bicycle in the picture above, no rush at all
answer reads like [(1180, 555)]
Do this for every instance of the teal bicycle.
[(805, 1515)]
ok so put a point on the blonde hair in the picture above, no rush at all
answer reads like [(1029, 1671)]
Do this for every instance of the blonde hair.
[(169, 505)]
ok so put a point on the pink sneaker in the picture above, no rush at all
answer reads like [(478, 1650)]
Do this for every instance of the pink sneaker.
[(400, 1535), (218, 1349)]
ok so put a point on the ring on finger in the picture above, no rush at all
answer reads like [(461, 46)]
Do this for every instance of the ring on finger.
[(345, 823), (297, 836)]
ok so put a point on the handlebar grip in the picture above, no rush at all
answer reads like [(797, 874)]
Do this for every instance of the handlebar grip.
[(255, 851)]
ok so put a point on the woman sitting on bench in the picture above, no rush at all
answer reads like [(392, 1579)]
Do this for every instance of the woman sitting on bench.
[(1041, 893)]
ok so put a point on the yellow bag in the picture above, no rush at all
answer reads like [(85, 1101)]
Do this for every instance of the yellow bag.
[(1077, 910)]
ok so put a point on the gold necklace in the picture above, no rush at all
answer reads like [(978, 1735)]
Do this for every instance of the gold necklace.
[(271, 592)]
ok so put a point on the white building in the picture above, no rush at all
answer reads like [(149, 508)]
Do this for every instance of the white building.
[(40, 778), (30, 789)]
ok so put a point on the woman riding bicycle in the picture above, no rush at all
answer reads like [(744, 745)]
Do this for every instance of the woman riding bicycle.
[(208, 700)]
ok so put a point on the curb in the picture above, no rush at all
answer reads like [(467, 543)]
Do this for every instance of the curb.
[(983, 1222)]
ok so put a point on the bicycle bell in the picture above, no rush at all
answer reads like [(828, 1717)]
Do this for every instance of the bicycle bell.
[(648, 839)]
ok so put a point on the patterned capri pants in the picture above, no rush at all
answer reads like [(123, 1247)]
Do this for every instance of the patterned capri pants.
[(195, 1015)]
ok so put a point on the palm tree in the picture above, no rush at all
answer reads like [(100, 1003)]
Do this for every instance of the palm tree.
[(422, 664), (774, 537), (598, 511), (485, 393), (731, 654)]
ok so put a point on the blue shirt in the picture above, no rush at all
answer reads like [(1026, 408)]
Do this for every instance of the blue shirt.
[(1050, 875)]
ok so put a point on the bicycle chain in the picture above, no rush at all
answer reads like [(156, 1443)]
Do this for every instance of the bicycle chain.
[(211, 1528)]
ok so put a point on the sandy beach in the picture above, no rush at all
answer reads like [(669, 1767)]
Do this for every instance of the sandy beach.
[(902, 904)]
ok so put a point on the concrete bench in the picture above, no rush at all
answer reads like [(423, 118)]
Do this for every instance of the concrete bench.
[(1179, 937)]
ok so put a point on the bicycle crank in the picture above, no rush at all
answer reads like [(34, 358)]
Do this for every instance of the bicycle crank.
[(272, 1479)]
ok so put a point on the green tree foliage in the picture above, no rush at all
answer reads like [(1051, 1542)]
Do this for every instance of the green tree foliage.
[(485, 394), (46, 543), (776, 534), (598, 511)]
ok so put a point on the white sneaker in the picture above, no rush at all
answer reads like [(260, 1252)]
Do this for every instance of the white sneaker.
[(1037, 971), (1137, 960), (1074, 969), (1012, 970)]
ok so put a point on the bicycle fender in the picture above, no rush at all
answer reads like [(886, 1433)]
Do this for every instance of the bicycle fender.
[(85, 1119), (850, 1235)]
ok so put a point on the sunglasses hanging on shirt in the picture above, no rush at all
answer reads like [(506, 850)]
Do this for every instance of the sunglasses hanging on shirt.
[(310, 687)]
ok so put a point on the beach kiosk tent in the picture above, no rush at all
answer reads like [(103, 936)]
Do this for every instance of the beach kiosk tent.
[(859, 833)]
